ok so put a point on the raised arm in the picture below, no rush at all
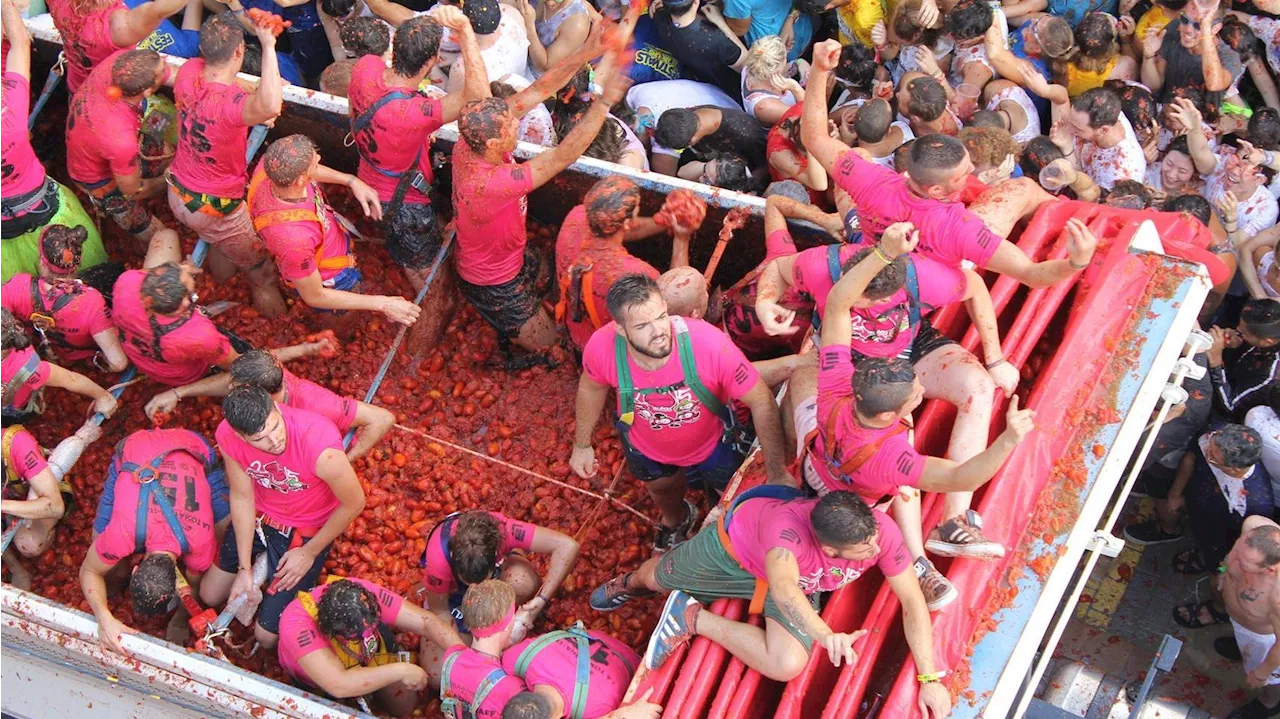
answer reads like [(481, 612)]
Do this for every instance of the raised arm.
[(548, 164), (1186, 113), (393, 13), (814, 128), (18, 61), (475, 75), (557, 76), (898, 240), (130, 27), (1216, 77), (571, 35), (267, 101), (1152, 72)]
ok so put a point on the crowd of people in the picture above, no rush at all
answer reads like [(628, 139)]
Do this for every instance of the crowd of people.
[(917, 134)]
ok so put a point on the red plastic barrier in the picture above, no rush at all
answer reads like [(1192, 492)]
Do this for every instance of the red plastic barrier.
[(1071, 378)]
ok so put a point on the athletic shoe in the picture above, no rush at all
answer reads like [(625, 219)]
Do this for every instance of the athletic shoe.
[(1149, 532), (614, 593), (1255, 710), (675, 627), (668, 537), (938, 590), (962, 537)]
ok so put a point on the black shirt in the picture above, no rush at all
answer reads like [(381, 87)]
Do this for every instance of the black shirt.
[(704, 52), (739, 134)]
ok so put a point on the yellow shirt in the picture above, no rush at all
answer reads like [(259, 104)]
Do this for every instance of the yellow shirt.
[(1081, 81), (857, 17), (1153, 19)]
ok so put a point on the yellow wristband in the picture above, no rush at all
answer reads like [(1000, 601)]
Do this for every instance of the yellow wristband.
[(931, 678), (883, 257)]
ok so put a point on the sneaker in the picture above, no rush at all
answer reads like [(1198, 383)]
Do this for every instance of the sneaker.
[(962, 537), (614, 593), (1255, 710), (938, 590), (675, 627), (668, 537), (1149, 532)]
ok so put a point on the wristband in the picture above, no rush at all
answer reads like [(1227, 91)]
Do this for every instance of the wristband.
[(932, 678), (177, 398), (997, 363), (581, 446), (883, 257), (1076, 267)]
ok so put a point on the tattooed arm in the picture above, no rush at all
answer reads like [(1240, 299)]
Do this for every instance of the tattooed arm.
[(783, 574)]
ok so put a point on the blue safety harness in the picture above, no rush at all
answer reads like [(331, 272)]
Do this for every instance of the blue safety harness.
[(417, 180), (914, 306), (150, 491)]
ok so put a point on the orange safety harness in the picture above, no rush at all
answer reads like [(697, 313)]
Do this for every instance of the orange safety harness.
[(300, 214)]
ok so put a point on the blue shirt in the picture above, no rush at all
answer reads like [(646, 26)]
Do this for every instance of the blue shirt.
[(169, 38), (652, 61), (767, 17)]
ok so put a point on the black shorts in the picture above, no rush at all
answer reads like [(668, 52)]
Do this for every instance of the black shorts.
[(509, 305), (927, 340), (273, 603), (714, 472), (413, 234)]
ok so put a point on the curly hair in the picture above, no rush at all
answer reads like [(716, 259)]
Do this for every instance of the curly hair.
[(610, 203), (988, 146), (481, 121), (347, 610), (13, 336), (288, 159), (890, 279), (62, 248), (163, 290)]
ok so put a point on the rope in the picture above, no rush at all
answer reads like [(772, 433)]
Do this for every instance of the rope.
[(599, 506), (531, 473)]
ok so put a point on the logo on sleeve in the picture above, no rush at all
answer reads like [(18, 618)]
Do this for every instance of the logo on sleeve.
[(741, 374), (905, 462)]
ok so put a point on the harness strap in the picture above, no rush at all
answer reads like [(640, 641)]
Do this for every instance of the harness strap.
[(582, 679), (768, 491), (10, 474), (148, 493), (19, 378), (688, 367), (297, 214)]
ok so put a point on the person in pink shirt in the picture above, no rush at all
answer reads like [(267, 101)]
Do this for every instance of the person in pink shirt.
[(924, 195), (392, 125), (339, 638), (310, 243), (677, 381), (29, 198), (293, 491), (854, 432), (172, 477), (496, 270), (94, 29), (467, 548), (591, 252), (69, 317), (781, 552), (164, 334), (262, 368), (208, 174), (496, 675), (103, 122), (25, 375), (739, 319)]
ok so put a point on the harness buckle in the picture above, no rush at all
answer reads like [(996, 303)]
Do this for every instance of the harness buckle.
[(404, 657), (42, 322)]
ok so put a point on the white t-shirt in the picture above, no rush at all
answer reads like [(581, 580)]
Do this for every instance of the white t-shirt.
[(509, 55), (1263, 419), (1253, 215), (664, 95), (1124, 161)]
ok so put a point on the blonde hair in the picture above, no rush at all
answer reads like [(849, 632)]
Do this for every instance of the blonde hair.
[(485, 604), (767, 61)]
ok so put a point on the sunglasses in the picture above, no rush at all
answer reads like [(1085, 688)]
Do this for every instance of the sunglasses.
[(1185, 21)]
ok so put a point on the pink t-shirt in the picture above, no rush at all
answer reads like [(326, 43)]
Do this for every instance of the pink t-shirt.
[(86, 39), (286, 487), (25, 456), (300, 635), (20, 169), (295, 244), (102, 134), (212, 136), (181, 475), (949, 233), (556, 666), (883, 329), (437, 575), (469, 670), (305, 394), (673, 426), (609, 260), (761, 524), (75, 324), (400, 130), (896, 463), (184, 349), (10, 366), (490, 202), (741, 321)]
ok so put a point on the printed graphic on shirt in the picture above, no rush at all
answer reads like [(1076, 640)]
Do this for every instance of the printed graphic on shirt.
[(683, 408), (274, 476)]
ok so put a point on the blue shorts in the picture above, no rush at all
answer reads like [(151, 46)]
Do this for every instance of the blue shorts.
[(348, 280), (713, 472)]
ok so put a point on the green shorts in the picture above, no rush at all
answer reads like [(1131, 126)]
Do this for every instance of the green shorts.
[(702, 568)]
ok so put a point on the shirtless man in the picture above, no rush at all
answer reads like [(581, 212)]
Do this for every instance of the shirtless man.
[(1250, 589)]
